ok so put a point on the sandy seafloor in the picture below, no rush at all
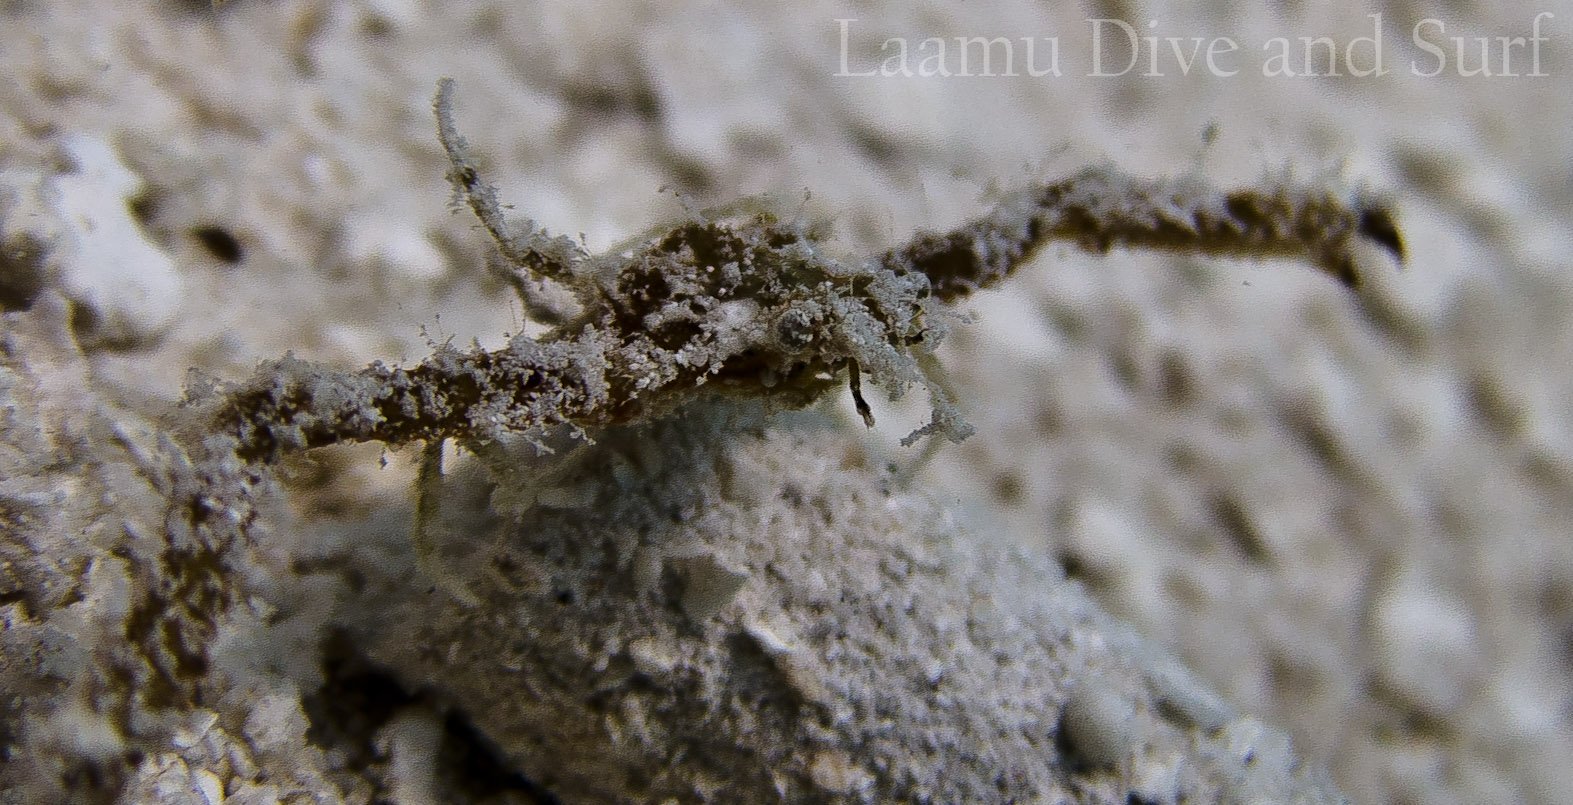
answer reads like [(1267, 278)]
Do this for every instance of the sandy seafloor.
[(1349, 512)]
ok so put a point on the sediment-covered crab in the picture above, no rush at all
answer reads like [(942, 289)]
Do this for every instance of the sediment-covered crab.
[(753, 305)]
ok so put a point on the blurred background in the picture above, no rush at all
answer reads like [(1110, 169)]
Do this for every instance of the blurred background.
[(1349, 511)]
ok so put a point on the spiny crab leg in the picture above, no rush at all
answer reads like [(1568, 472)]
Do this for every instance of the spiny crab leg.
[(752, 306)]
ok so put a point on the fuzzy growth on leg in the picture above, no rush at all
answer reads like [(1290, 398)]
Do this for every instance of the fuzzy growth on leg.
[(523, 244), (1099, 209)]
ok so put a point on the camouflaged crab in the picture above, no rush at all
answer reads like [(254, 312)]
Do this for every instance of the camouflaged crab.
[(751, 305)]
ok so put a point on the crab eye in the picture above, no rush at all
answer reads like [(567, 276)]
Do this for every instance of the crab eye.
[(795, 329)]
